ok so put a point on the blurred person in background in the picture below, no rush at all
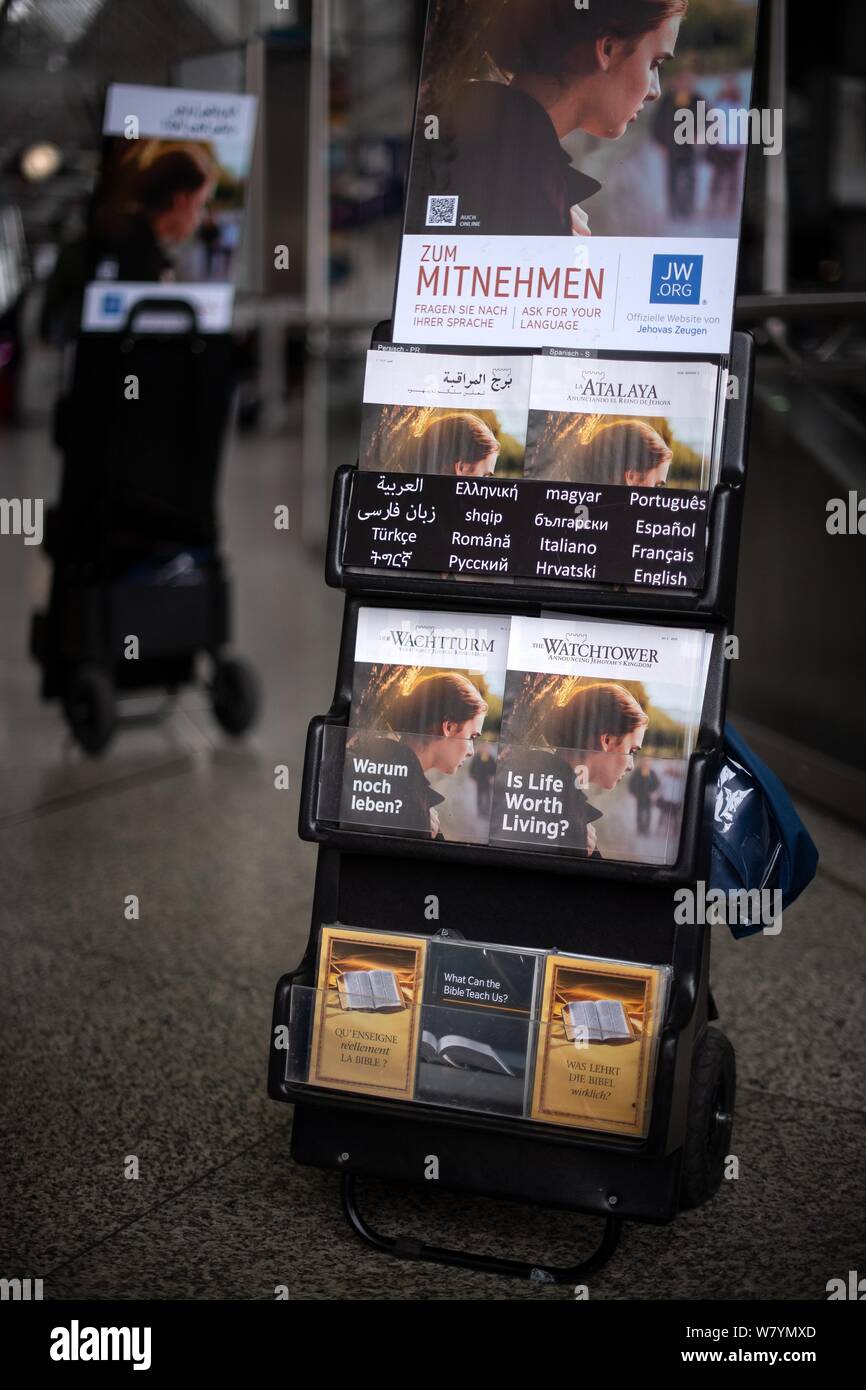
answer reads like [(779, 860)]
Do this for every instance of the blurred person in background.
[(133, 235)]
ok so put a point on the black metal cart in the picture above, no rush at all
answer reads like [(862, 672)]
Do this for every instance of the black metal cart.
[(512, 896), (134, 539)]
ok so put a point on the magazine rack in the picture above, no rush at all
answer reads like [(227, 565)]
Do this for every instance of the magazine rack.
[(716, 596), (537, 900), (319, 812)]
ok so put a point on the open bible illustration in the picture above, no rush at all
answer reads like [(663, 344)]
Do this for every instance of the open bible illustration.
[(362, 974), (370, 989), (463, 1052), (598, 1021)]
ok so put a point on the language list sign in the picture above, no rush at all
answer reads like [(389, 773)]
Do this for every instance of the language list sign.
[(526, 529)]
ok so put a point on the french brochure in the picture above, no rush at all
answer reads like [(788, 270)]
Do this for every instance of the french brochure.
[(365, 1022), (599, 721)]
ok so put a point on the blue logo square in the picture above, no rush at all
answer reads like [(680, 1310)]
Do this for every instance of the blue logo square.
[(111, 304), (676, 279)]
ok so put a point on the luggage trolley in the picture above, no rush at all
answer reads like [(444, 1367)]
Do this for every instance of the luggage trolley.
[(526, 898), (134, 537)]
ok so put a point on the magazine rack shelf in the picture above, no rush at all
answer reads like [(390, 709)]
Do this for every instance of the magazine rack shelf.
[(609, 1176), (319, 818), (359, 1136), (715, 597)]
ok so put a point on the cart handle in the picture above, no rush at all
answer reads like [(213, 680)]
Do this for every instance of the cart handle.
[(154, 305)]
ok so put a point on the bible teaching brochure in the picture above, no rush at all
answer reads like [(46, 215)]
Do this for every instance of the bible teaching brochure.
[(600, 1026), (478, 1036), (365, 1021)]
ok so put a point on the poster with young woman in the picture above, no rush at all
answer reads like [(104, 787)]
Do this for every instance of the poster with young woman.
[(167, 215), (598, 724), (426, 709), (567, 183), (456, 416), (625, 424)]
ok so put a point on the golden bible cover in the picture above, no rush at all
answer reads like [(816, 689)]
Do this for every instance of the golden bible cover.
[(600, 1024), (366, 1017)]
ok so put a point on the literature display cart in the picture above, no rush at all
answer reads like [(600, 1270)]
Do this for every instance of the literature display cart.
[(497, 991), (519, 898)]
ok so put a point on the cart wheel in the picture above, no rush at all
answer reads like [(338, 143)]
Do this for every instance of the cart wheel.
[(91, 709), (235, 695), (710, 1118)]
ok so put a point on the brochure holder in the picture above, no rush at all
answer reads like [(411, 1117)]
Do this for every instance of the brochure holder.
[(527, 897), (720, 576), (323, 820)]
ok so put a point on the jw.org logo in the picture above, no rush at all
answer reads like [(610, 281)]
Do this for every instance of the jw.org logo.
[(676, 279)]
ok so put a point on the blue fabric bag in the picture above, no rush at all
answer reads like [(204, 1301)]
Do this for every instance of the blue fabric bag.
[(759, 841)]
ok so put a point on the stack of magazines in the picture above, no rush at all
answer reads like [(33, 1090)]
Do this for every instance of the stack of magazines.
[(558, 415), (567, 734)]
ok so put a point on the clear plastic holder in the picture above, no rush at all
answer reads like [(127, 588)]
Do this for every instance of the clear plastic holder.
[(426, 1060), (614, 805)]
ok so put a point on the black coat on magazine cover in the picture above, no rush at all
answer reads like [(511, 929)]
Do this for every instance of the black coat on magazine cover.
[(549, 69)]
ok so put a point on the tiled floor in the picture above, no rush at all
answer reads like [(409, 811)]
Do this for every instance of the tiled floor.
[(148, 1038)]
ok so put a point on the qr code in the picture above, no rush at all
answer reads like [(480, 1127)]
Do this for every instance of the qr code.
[(442, 212)]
